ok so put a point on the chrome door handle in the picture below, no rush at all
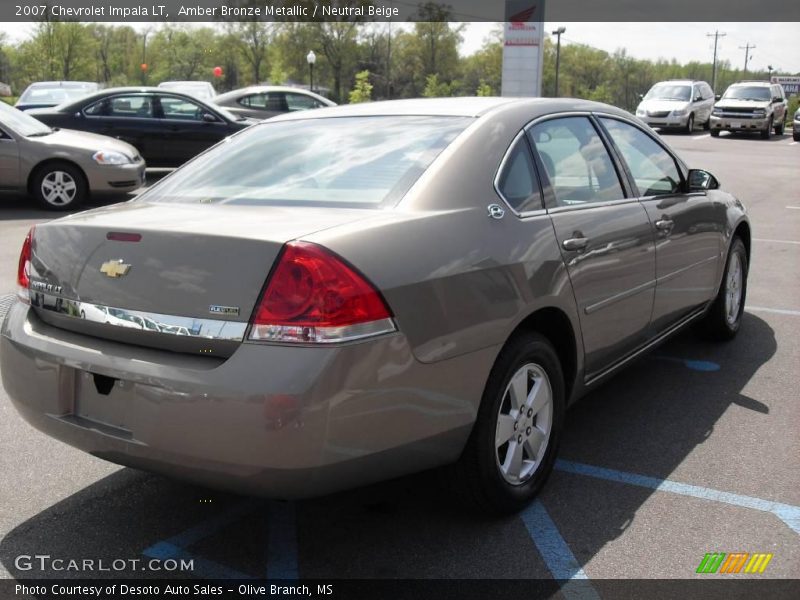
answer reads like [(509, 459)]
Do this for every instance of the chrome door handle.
[(575, 243), (665, 224)]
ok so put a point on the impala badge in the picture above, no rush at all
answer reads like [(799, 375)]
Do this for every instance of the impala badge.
[(114, 268)]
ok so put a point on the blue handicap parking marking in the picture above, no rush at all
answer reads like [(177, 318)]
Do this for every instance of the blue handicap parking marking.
[(706, 366), (787, 513)]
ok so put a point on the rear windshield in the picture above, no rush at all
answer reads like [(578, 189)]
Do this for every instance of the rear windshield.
[(55, 94), (346, 161)]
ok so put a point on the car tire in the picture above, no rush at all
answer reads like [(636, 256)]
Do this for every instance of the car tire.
[(715, 133), (59, 186), (796, 136), (767, 133), (487, 474), (779, 129), (724, 316), (707, 125), (689, 124)]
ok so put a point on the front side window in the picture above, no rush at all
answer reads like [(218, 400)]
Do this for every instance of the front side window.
[(345, 161), (518, 183), (576, 161), (652, 167)]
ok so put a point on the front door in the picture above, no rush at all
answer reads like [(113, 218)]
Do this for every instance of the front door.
[(688, 236), (605, 238), (9, 162)]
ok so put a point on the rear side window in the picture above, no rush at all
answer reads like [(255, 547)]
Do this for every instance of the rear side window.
[(576, 161), (518, 183), (344, 161), (652, 167)]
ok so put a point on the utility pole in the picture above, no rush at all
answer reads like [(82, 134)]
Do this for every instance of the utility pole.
[(558, 33), (747, 47), (716, 35)]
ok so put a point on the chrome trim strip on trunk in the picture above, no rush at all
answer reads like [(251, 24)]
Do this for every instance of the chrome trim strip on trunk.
[(155, 323)]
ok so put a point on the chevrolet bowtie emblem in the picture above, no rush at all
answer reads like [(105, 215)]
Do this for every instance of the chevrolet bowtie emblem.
[(114, 268)]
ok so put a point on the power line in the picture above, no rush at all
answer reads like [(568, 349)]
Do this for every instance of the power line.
[(716, 35), (747, 47)]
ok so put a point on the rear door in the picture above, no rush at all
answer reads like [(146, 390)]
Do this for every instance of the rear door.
[(127, 117), (686, 226), (605, 237)]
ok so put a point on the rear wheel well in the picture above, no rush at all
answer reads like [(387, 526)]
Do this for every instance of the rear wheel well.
[(52, 162), (554, 324)]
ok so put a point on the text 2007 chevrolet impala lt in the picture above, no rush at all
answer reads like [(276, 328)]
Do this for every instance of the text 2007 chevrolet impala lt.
[(345, 295)]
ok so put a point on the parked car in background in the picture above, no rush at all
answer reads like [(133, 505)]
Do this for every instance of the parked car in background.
[(52, 93), (59, 167), (168, 128), (677, 104), (198, 89), (796, 126), (263, 102), (751, 107), (374, 289)]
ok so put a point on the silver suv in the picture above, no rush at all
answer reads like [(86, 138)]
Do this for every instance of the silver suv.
[(750, 106)]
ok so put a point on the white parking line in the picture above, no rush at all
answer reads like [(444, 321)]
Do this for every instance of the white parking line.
[(700, 137), (793, 143), (777, 311), (776, 241), (794, 207)]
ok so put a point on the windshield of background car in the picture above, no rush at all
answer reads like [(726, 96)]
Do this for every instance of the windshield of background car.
[(345, 161), (53, 95), (670, 92), (20, 122), (757, 93), (200, 90)]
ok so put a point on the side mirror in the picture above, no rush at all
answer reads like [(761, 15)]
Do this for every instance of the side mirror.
[(641, 96), (718, 96), (209, 118), (701, 181), (698, 98)]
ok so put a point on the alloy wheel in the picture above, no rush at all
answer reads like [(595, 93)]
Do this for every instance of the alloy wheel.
[(59, 188), (524, 424), (733, 289)]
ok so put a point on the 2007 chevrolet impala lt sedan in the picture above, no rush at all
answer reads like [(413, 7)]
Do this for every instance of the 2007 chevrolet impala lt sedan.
[(345, 295)]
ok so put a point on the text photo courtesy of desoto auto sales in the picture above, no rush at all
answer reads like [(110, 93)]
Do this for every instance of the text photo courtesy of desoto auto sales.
[(382, 299)]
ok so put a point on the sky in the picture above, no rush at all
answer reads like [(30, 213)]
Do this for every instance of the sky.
[(775, 43)]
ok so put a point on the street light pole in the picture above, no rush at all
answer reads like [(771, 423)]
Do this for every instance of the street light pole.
[(311, 58), (558, 33)]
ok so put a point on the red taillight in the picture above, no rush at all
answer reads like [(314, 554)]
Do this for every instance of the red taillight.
[(313, 296), (24, 265)]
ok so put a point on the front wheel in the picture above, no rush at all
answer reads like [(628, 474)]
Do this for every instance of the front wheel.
[(766, 133), (514, 442), (715, 133), (724, 317), (707, 124), (59, 186), (690, 124), (780, 128), (796, 136)]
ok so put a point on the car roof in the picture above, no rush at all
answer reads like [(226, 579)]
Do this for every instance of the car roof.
[(63, 84), (127, 90), (254, 89), (752, 83), (453, 107), (186, 82)]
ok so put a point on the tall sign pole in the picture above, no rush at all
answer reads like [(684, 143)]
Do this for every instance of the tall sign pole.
[(523, 48)]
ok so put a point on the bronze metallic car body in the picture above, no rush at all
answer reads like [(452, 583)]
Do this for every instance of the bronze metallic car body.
[(461, 270)]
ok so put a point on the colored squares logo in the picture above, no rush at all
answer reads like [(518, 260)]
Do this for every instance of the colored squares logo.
[(734, 562)]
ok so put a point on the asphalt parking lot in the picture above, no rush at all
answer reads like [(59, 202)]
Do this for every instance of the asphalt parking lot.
[(692, 450)]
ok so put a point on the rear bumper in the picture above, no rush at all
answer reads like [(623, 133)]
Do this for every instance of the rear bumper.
[(270, 420)]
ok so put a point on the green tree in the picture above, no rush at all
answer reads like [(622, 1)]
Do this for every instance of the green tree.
[(362, 90)]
